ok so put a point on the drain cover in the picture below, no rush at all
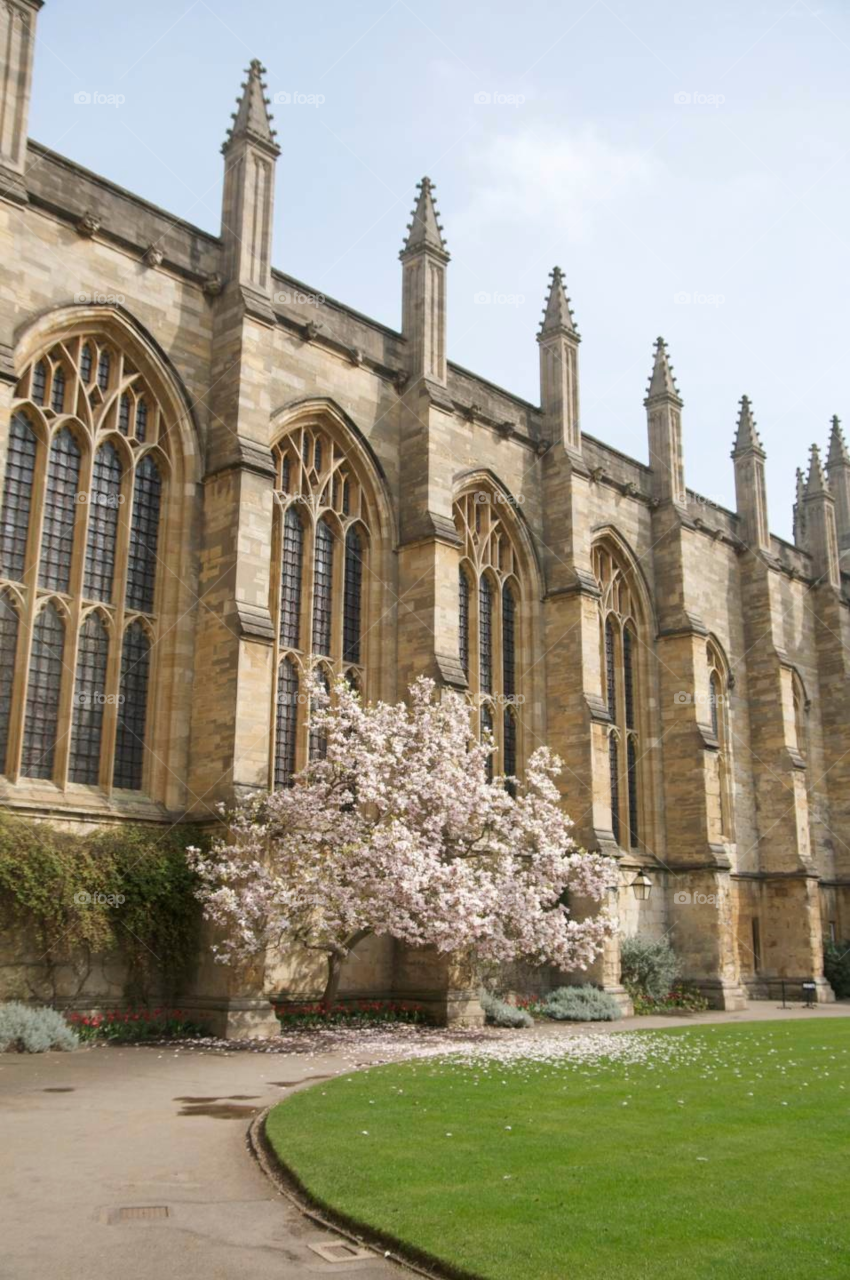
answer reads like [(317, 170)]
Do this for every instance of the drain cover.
[(140, 1213), (340, 1251)]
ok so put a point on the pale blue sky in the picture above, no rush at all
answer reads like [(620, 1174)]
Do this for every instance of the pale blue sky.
[(738, 198)]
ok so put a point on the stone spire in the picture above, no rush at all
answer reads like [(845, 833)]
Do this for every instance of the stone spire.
[(800, 511), (747, 437), (423, 290), (17, 40), (251, 119), (250, 152), (821, 530), (559, 382), (838, 470), (750, 481), (424, 230), (664, 426)]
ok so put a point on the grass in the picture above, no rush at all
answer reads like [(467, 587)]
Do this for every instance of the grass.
[(722, 1154)]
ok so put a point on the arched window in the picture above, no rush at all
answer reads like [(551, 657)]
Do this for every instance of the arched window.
[(85, 675), (718, 701), (489, 619), (324, 518), (620, 625)]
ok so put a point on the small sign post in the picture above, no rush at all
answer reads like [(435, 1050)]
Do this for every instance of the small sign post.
[(809, 993)]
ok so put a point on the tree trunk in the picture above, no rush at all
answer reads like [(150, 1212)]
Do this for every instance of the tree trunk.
[(334, 974)]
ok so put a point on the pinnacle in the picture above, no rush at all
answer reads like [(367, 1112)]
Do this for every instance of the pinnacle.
[(662, 383), (838, 453), (747, 437), (251, 118), (558, 314), (816, 482), (424, 231)]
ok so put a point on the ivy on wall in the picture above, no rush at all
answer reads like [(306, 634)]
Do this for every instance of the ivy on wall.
[(125, 893)]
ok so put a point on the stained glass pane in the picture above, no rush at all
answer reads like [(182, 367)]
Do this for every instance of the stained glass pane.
[(60, 512), (509, 642), (8, 651), (86, 363), (104, 365), (610, 669), (142, 421), (17, 497), (290, 579), (89, 701), (317, 456), (322, 589), (124, 414), (39, 382), (285, 473), (633, 794), (144, 536), (628, 677), (614, 767), (43, 694), (57, 397), (351, 624), (463, 620), (132, 709), (286, 724), (104, 505), (485, 634)]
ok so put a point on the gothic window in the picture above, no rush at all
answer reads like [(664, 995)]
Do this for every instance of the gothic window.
[(85, 677), (60, 512), (104, 501), (17, 498), (320, 609), (43, 693), (291, 562), (621, 623), (353, 596), (89, 701), (490, 619), (718, 704), (8, 653), (132, 708)]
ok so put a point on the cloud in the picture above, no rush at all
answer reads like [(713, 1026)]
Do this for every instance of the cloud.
[(533, 178)]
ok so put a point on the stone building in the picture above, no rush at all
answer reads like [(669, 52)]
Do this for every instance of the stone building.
[(211, 474)]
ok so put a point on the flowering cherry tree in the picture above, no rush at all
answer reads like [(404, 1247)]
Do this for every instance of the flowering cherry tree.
[(396, 830)]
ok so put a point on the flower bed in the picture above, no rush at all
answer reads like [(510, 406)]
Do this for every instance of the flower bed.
[(134, 1024), (681, 998), (356, 1013)]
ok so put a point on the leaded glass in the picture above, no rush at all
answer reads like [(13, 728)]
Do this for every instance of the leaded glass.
[(628, 677), (714, 699), (124, 414), (286, 724), (463, 620), (17, 498), (8, 652), (144, 536), (57, 395), (352, 602), (142, 421), (487, 727), (39, 382), (317, 456), (60, 512), (104, 506), (322, 589), (104, 366), (610, 669), (89, 701), (43, 694), (485, 634), (292, 559), (631, 753), (508, 643), (510, 742), (86, 363), (614, 768), (318, 742), (132, 709)]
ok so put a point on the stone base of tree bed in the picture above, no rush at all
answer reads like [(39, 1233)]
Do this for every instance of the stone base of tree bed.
[(234, 1017)]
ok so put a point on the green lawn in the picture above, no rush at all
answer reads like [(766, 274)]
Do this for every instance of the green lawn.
[(723, 1154)]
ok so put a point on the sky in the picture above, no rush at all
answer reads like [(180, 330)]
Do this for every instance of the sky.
[(686, 162)]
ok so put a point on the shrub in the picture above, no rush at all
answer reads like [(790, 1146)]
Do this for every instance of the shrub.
[(501, 1014), (129, 1025), (836, 968), (581, 1004), (33, 1029), (650, 966), (358, 1013)]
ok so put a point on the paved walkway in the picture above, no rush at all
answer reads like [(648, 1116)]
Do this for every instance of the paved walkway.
[(89, 1134)]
